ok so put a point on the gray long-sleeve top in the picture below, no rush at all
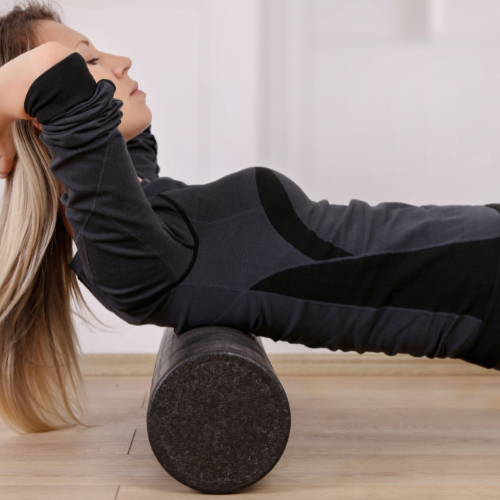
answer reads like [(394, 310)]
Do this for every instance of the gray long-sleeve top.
[(253, 252)]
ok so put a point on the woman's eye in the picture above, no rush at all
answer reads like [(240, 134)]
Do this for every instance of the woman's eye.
[(93, 61)]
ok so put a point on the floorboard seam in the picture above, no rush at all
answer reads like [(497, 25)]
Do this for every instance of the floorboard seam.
[(131, 442), (144, 400)]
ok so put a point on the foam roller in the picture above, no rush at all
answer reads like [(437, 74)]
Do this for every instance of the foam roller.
[(218, 417)]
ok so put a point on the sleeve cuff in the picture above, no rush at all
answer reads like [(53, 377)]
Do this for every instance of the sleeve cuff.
[(58, 89)]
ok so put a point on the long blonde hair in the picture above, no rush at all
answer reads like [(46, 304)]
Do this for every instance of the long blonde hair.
[(41, 386)]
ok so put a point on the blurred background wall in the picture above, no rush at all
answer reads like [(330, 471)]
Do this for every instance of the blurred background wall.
[(379, 100)]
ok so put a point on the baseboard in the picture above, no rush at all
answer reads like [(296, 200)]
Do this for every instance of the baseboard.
[(303, 364)]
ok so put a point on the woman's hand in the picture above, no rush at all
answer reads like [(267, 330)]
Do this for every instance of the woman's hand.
[(16, 78)]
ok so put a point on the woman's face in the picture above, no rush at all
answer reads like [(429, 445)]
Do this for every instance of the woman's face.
[(136, 115)]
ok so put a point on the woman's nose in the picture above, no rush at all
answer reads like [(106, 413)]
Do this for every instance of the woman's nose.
[(121, 65)]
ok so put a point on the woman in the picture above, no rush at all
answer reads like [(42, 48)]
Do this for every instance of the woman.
[(249, 251)]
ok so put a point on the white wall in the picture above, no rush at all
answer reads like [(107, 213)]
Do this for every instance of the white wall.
[(380, 100), (385, 100)]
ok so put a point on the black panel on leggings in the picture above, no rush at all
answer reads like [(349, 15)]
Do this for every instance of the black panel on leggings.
[(406, 279)]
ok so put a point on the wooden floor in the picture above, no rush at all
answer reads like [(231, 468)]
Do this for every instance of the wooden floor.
[(353, 437)]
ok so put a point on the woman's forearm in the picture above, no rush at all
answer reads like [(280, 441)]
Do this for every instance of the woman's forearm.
[(17, 76)]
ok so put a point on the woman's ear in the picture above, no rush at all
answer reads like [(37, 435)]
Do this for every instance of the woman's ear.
[(37, 125)]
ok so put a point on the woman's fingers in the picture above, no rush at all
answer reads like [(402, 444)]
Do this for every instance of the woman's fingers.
[(7, 152)]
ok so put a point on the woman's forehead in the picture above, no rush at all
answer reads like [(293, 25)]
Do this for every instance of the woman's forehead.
[(49, 30)]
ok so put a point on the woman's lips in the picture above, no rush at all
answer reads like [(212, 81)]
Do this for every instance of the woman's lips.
[(135, 90)]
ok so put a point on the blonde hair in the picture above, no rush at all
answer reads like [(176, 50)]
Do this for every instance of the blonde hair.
[(41, 385)]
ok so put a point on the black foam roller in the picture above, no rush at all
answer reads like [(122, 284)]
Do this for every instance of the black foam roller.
[(218, 417)]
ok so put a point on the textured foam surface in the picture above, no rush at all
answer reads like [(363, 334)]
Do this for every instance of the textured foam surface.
[(218, 417)]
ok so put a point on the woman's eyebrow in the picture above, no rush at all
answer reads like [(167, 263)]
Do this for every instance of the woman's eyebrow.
[(83, 41)]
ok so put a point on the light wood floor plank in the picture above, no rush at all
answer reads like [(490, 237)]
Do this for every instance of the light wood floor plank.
[(318, 492), (304, 364), (352, 437), (302, 468), (75, 441), (79, 492)]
